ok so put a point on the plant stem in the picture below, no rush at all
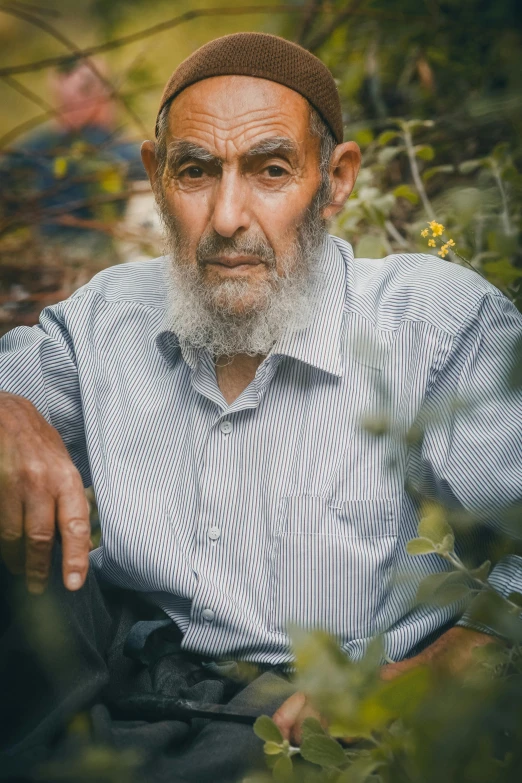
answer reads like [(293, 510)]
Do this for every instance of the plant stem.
[(408, 142)]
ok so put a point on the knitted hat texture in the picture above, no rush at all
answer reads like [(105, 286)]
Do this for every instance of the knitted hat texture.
[(267, 57)]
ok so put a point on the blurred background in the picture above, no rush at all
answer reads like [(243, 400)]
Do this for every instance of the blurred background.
[(431, 91)]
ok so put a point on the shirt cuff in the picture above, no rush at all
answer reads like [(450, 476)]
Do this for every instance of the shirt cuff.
[(505, 578)]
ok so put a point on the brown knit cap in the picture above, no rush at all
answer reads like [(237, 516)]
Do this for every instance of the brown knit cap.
[(267, 57)]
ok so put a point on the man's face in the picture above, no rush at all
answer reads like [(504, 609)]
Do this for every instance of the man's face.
[(242, 170)]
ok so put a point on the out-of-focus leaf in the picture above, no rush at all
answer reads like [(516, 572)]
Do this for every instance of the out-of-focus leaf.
[(283, 771), (370, 246), (404, 191), (420, 546), (60, 167), (322, 750), (359, 770), (399, 697), (433, 524), (491, 609), (441, 589), (445, 168), (515, 598), (482, 572), (266, 729), (467, 166), (363, 137), (387, 136), (502, 272), (272, 748), (387, 154), (425, 152), (448, 543)]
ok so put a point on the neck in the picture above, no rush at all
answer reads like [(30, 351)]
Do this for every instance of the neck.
[(235, 373)]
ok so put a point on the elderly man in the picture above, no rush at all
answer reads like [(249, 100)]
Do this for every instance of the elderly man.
[(214, 399)]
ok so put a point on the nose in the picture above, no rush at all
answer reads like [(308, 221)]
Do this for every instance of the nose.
[(230, 212)]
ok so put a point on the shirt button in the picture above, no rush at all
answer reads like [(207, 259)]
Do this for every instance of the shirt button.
[(226, 427), (208, 615), (214, 533)]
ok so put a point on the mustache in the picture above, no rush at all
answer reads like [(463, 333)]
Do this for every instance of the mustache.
[(214, 245)]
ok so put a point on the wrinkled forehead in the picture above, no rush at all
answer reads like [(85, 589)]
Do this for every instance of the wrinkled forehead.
[(234, 112)]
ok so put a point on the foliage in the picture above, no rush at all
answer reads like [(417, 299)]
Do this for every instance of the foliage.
[(424, 725)]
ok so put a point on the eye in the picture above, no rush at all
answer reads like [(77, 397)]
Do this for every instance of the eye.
[(275, 171), (193, 172)]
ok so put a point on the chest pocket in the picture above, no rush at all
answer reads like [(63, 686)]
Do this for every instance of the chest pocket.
[(333, 565)]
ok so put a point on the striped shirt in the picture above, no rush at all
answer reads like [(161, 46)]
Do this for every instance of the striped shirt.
[(281, 507)]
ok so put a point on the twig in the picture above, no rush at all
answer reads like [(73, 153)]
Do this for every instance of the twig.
[(188, 16), (322, 36), (415, 173), (309, 13), (75, 50)]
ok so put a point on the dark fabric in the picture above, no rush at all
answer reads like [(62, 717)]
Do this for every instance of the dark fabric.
[(71, 663), (267, 57)]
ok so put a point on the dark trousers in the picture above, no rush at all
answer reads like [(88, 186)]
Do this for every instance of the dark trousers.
[(99, 669)]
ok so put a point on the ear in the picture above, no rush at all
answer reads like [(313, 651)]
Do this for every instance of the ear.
[(344, 168), (148, 157)]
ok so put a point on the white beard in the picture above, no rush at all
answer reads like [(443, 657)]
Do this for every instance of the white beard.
[(205, 316)]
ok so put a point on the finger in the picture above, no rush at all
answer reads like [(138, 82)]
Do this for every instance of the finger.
[(39, 529), (74, 525), (287, 713), (296, 732), (11, 533)]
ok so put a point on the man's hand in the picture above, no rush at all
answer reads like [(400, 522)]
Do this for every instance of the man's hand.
[(450, 653), (40, 490)]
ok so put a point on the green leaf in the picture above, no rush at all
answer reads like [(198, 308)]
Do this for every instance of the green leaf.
[(515, 598), (272, 748), (311, 726), (322, 750), (420, 546), (469, 165), (387, 136), (482, 572), (448, 543), (283, 771), (425, 152), (445, 168), (359, 771), (404, 191), (433, 524), (434, 587), (387, 154), (266, 729)]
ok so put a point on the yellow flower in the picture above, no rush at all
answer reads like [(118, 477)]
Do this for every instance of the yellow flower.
[(443, 252), (436, 228), (451, 243), (432, 243), (424, 233)]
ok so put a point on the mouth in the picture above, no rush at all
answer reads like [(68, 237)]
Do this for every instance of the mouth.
[(234, 263)]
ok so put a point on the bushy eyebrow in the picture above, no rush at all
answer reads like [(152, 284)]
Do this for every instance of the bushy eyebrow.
[(180, 151), (276, 146)]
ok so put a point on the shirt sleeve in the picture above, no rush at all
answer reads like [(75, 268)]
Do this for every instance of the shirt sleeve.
[(39, 363), (472, 449)]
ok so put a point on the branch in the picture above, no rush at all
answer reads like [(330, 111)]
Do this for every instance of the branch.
[(188, 16), (309, 13), (322, 36), (75, 50)]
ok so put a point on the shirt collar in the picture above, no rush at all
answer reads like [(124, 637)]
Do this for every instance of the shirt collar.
[(320, 343)]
